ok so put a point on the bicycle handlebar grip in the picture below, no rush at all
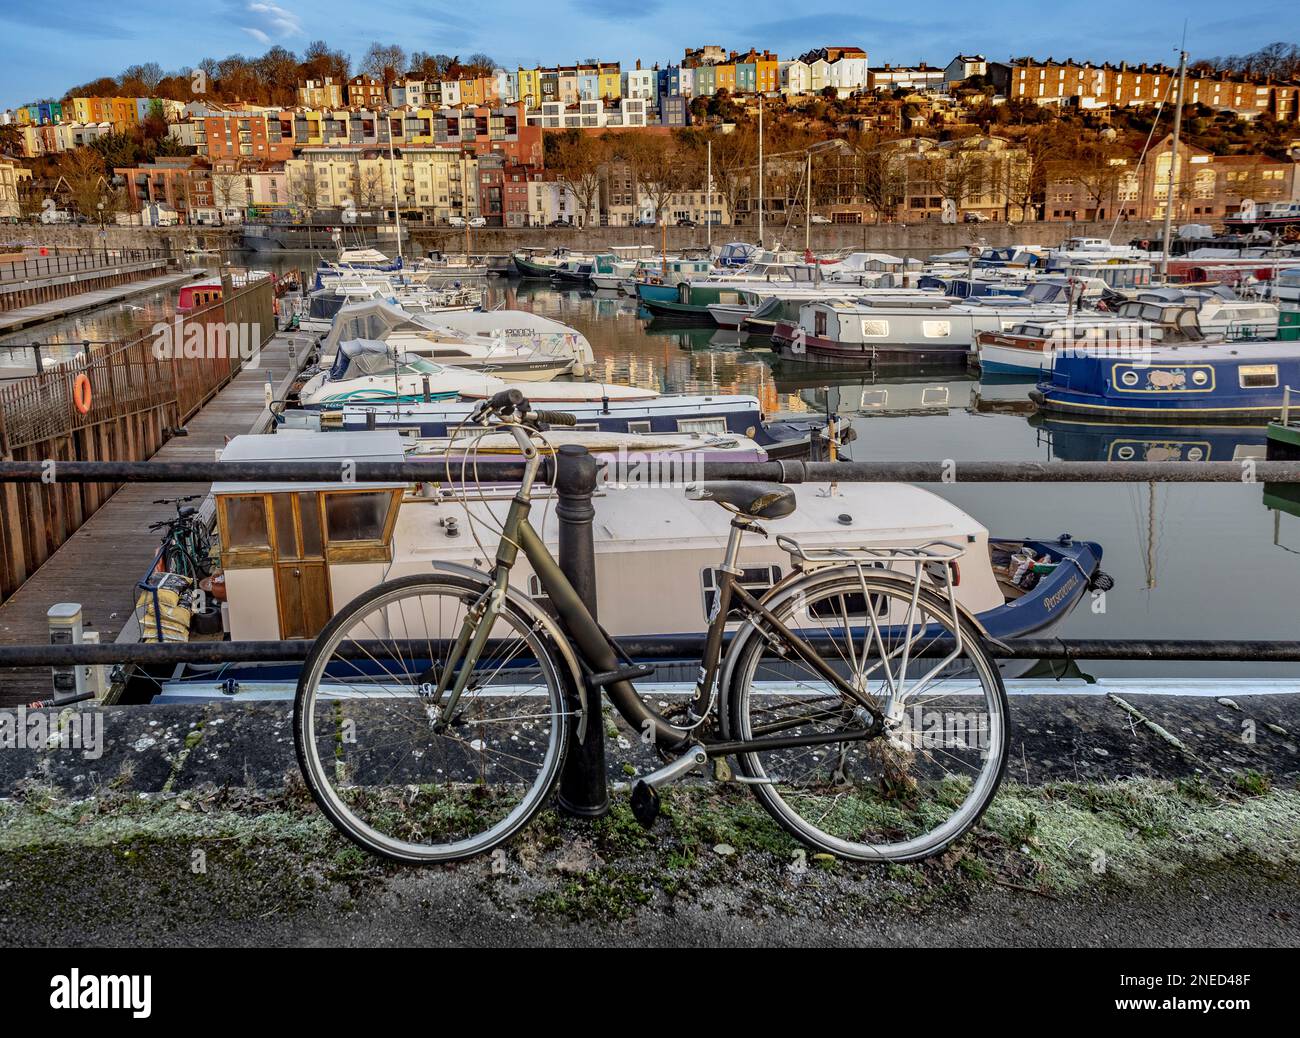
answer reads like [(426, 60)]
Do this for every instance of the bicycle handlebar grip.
[(506, 400), (557, 417)]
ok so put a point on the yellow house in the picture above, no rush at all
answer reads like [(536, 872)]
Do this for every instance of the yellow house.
[(530, 86), (611, 82), (725, 78), (767, 75)]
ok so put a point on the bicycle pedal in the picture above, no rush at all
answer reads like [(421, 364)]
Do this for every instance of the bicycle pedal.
[(607, 677), (645, 804)]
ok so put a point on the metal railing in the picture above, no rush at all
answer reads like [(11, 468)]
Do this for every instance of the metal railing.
[(68, 263), (574, 475)]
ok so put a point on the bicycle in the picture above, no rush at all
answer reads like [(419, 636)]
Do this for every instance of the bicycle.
[(186, 546), (856, 698)]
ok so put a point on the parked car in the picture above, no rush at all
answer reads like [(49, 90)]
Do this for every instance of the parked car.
[(478, 221), (818, 218), (644, 223), (559, 223), (455, 221), (975, 218), (686, 221)]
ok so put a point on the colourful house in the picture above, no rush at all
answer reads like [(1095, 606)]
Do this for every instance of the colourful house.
[(611, 82), (706, 80), (725, 78), (530, 86)]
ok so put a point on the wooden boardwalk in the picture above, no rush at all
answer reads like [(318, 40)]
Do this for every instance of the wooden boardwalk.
[(55, 309), (99, 565)]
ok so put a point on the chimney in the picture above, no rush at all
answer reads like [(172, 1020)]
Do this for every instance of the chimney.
[(638, 64)]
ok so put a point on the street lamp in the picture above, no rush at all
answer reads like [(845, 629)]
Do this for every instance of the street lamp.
[(103, 235)]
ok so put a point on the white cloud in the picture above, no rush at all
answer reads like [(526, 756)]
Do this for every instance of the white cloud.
[(269, 21)]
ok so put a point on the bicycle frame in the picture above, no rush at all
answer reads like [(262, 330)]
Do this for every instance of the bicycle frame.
[(599, 655)]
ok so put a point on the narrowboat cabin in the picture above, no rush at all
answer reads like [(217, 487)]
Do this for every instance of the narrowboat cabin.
[(199, 294), (1209, 383)]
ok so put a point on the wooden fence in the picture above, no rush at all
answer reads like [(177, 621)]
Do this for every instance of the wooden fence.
[(141, 390)]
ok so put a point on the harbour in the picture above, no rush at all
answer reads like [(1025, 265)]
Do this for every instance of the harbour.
[(704, 497)]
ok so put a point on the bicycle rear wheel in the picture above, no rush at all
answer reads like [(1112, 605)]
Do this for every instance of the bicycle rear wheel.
[(379, 760), (898, 797)]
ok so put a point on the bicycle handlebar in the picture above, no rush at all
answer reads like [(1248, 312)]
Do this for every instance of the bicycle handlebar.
[(554, 417)]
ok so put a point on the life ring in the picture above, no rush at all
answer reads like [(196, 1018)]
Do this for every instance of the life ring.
[(81, 393)]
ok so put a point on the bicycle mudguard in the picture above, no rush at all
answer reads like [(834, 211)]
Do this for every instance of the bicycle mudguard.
[(541, 619), (788, 585)]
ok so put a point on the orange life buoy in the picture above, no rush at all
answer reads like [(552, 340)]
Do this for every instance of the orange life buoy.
[(81, 393)]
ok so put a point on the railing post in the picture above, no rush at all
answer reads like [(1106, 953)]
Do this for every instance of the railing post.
[(582, 785)]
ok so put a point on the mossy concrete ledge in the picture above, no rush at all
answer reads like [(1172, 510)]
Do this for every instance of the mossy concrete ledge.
[(1137, 861)]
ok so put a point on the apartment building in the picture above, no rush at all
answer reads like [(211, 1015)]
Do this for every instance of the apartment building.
[(320, 93), (1101, 86), (432, 184), (262, 134), (1206, 187), (591, 115), (366, 92), (177, 183)]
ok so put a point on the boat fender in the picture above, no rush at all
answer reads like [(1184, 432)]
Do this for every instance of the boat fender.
[(1101, 582), (81, 394)]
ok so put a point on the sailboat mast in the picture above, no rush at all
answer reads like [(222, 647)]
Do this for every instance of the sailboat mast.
[(708, 195), (392, 172), (1170, 199), (760, 171)]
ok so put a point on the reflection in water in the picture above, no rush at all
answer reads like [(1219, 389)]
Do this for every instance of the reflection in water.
[(1189, 560)]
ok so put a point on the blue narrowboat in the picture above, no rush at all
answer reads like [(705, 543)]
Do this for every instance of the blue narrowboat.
[(1209, 383)]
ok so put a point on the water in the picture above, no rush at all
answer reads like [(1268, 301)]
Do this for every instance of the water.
[(1189, 560)]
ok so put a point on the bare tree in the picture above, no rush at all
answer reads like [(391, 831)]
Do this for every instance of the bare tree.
[(384, 61), (882, 179), (82, 170), (577, 158), (227, 191), (661, 167)]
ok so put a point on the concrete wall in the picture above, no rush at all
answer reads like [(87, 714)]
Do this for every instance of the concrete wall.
[(919, 239)]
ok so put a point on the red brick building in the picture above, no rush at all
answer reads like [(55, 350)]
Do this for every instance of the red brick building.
[(174, 182), (1100, 86), (264, 136)]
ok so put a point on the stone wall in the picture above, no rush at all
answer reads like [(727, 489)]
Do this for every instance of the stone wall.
[(918, 239)]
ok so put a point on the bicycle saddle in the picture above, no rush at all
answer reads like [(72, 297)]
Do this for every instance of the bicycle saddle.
[(756, 500), (187, 511)]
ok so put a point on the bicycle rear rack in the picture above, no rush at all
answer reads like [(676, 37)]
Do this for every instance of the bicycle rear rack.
[(935, 560)]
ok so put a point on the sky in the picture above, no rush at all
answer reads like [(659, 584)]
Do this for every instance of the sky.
[(44, 49)]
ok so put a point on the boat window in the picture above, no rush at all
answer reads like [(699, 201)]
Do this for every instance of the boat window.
[(934, 396), (1257, 376), (246, 523), (588, 426), (754, 579), (701, 425), (357, 516), (1129, 378), (819, 322), (874, 329), (309, 525), (642, 427), (936, 329), (874, 398), (286, 540)]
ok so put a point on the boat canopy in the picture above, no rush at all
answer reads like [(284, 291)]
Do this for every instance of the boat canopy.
[(359, 357), (290, 445)]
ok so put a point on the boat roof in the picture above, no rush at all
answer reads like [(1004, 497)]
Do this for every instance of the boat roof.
[(666, 519), (1243, 351), (302, 445)]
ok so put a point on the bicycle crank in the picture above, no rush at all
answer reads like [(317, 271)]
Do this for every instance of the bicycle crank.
[(645, 794)]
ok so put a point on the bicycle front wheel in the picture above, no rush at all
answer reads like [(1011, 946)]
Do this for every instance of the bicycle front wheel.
[(382, 760), (900, 796)]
